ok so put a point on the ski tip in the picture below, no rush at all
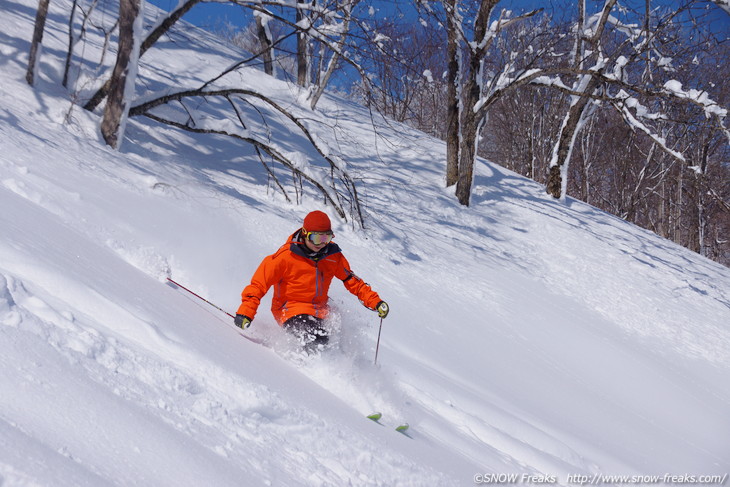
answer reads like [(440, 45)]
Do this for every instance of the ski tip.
[(402, 428), (375, 416)]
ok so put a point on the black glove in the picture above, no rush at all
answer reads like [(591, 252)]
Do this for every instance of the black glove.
[(242, 321), (382, 309)]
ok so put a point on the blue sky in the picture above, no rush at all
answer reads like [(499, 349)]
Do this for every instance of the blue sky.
[(210, 15), (205, 14)]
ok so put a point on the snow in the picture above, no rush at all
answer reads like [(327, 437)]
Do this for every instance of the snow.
[(526, 335), (699, 97)]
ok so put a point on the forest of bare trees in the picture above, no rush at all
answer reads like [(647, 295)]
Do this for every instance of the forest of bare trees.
[(620, 104)]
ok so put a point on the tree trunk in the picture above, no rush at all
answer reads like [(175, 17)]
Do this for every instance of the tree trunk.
[(153, 36), (452, 97), (302, 49), (467, 156), (323, 79), (700, 200), (564, 147), (470, 123), (71, 43), (35, 46), (266, 44), (471, 120), (124, 74), (568, 131)]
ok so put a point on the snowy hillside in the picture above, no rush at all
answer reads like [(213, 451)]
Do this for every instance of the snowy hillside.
[(526, 335)]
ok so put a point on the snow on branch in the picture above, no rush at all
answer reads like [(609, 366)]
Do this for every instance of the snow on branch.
[(702, 99), (698, 97), (636, 124)]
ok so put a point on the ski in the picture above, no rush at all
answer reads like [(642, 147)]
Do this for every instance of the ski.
[(375, 416), (401, 428)]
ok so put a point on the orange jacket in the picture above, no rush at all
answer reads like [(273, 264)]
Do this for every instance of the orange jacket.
[(301, 282)]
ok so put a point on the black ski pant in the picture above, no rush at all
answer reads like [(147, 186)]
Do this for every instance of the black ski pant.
[(309, 329)]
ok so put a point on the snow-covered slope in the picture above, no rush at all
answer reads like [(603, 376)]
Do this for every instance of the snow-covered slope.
[(526, 335)]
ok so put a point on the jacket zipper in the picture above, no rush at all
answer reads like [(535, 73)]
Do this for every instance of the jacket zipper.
[(317, 290)]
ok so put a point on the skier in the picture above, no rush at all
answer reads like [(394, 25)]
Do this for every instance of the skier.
[(301, 272)]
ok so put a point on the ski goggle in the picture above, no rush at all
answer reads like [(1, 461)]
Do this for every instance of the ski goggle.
[(319, 238)]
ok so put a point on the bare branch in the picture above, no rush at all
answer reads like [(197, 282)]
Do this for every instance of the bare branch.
[(273, 152), (145, 108)]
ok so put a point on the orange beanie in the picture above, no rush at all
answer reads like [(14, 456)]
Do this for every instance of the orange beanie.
[(317, 221)]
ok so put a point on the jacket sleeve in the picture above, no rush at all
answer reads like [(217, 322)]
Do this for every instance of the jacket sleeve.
[(357, 286), (267, 274)]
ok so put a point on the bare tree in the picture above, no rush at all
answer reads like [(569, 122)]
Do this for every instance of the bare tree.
[(324, 75), (266, 42), (158, 31), (125, 72), (74, 38), (585, 85), (37, 42), (634, 110), (403, 69), (340, 192), (520, 131), (622, 70), (476, 98), (303, 21), (453, 79), (324, 38)]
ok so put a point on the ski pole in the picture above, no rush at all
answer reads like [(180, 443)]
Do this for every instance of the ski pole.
[(377, 346), (200, 297), (255, 340)]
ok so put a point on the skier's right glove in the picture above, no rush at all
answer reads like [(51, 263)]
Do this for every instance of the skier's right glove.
[(242, 321)]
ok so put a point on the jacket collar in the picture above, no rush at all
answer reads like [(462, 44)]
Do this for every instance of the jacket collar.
[(297, 246)]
